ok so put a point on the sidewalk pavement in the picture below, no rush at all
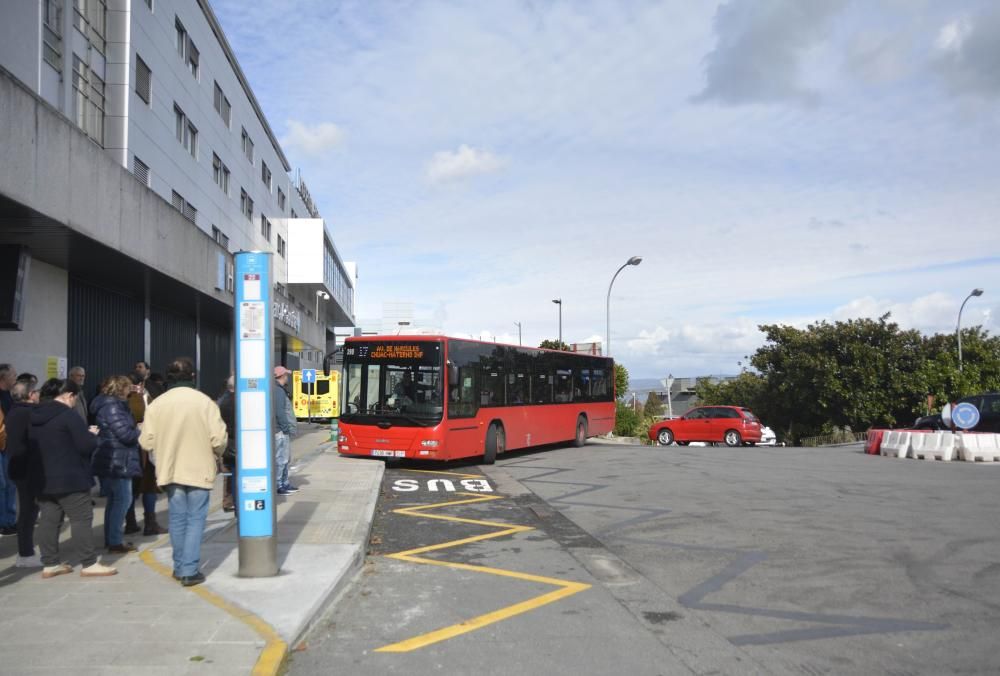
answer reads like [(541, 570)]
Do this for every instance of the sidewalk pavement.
[(143, 622)]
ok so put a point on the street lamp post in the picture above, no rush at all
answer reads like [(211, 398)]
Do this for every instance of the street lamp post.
[(634, 260), (518, 325), (558, 301), (325, 296), (958, 325)]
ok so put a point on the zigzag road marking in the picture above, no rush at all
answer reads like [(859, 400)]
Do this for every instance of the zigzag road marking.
[(837, 625), (565, 588)]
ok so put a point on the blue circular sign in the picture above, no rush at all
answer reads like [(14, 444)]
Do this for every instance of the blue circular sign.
[(965, 416)]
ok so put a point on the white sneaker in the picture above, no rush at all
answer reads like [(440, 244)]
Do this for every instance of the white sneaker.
[(98, 570), (33, 561)]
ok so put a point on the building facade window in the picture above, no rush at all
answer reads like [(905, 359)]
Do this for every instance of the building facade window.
[(246, 205), (52, 34), (181, 39), (88, 96), (187, 133), (222, 105), (294, 215), (220, 173), (143, 80), (140, 170), (220, 237), (182, 205), (247, 145), (91, 18), (186, 48), (281, 199), (281, 246), (265, 175), (265, 228)]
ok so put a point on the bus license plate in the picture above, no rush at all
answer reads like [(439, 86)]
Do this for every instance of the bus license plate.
[(380, 453)]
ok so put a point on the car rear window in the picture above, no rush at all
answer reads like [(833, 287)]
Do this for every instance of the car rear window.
[(748, 414)]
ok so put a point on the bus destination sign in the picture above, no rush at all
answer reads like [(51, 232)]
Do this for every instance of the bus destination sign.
[(397, 352)]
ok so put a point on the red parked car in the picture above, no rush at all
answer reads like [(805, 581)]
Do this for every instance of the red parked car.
[(732, 425)]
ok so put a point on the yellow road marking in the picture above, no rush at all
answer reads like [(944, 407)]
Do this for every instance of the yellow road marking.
[(275, 649), (565, 587)]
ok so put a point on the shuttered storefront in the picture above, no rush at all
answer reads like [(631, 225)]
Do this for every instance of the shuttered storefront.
[(105, 333)]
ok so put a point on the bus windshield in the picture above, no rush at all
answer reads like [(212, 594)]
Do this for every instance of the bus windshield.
[(393, 381)]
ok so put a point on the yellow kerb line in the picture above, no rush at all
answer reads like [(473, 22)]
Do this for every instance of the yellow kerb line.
[(566, 587)]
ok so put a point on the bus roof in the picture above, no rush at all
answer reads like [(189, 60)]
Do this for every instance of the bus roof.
[(443, 337)]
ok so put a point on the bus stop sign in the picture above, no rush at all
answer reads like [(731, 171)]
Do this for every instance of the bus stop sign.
[(965, 416), (308, 375)]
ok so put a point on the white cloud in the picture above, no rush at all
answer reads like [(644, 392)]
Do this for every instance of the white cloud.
[(448, 166), (933, 313), (313, 139), (953, 34)]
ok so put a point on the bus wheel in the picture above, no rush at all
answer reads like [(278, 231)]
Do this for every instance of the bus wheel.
[(495, 444), (581, 432)]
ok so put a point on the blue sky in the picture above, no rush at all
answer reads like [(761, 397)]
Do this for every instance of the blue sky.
[(772, 161)]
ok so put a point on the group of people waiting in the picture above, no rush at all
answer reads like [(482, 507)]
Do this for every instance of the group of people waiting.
[(136, 438)]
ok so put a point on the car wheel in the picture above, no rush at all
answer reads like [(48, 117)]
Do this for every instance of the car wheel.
[(495, 444), (581, 432), (732, 438), (665, 437)]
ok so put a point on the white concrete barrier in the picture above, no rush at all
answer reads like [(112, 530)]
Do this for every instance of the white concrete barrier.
[(979, 447), (896, 444), (932, 446)]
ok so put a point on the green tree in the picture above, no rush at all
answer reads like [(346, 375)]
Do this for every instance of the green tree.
[(621, 380), (628, 422), (856, 374), (653, 407), (554, 345)]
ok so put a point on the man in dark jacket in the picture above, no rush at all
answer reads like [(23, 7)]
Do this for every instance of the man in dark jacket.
[(65, 447), (18, 422)]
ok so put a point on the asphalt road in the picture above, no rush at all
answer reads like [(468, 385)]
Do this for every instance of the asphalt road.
[(649, 560)]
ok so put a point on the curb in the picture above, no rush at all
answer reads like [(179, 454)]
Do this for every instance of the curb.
[(275, 653)]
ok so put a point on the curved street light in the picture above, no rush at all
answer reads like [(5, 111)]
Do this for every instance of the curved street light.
[(958, 325), (634, 260), (320, 295), (558, 301)]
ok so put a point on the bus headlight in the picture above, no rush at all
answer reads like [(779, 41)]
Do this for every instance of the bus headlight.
[(429, 443), (342, 438)]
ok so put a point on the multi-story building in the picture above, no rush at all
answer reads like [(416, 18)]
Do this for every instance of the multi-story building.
[(136, 159)]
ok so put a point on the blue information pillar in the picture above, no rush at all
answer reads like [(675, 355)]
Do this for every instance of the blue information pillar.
[(255, 487)]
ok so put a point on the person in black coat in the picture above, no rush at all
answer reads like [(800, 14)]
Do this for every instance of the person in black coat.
[(116, 460), (63, 480), (21, 464)]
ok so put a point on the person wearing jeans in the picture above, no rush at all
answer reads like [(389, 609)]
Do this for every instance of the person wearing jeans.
[(284, 422), (116, 460), (188, 511), (185, 434)]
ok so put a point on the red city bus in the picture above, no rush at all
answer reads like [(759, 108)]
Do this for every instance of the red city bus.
[(440, 398)]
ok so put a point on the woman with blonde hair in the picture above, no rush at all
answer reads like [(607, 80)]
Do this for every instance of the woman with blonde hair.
[(116, 460)]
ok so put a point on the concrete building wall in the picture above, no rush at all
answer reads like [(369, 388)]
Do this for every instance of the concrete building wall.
[(152, 129), (45, 322)]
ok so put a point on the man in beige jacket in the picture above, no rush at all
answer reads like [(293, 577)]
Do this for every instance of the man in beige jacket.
[(185, 436)]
